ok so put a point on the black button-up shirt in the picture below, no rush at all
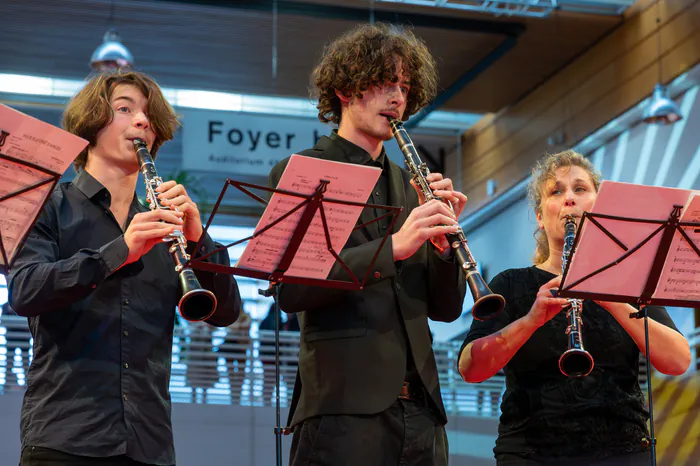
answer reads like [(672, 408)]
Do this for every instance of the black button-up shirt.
[(98, 382), (380, 193), (380, 196)]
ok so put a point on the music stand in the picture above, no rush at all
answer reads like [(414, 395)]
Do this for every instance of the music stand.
[(310, 204), (656, 242), (7, 256)]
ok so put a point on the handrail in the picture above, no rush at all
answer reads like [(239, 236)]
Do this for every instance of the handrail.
[(226, 366)]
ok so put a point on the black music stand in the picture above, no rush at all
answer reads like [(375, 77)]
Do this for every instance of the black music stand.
[(310, 204), (52, 178), (667, 229)]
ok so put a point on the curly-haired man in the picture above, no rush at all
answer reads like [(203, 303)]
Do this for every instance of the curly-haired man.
[(368, 390)]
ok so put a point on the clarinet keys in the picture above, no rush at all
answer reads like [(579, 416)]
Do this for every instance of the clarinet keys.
[(575, 361), (487, 304)]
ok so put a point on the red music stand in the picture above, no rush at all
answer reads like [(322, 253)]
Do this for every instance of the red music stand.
[(622, 258), (48, 177), (308, 205)]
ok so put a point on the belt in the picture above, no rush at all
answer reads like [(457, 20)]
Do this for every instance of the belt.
[(413, 393)]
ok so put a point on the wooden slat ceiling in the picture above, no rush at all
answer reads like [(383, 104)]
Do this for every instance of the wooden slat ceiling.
[(228, 47)]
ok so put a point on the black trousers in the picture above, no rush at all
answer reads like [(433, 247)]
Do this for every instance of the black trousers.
[(630, 459), (405, 434), (39, 456)]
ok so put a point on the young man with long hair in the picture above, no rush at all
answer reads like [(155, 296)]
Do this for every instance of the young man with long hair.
[(369, 391), (100, 289)]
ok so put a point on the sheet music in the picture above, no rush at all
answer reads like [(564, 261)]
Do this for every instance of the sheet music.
[(680, 278), (596, 250), (348, 182), (39, 143)]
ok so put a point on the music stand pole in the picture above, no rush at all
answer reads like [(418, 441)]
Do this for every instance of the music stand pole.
[(643, 314), (651, 402), (667, 230), (274, 291), (312, 203)]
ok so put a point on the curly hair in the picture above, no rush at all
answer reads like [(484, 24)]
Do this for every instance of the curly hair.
[(90, 110), (546, 170), (367, 56)]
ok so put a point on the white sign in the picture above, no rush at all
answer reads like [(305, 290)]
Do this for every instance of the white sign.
[(244, 144)]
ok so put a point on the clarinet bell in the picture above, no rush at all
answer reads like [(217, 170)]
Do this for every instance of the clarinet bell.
[(576, 362), (487, 304), (196, 303)]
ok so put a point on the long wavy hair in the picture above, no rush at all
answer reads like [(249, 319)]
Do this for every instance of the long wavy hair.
[(545, 170), (89, 111), (367, 56)]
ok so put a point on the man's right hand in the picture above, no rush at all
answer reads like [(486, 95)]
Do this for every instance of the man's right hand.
[(434, 218), (546, 306), (148, 229)]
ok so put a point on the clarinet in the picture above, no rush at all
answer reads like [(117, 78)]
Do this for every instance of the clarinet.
[(575, 361), (196, 303), (486, 303)]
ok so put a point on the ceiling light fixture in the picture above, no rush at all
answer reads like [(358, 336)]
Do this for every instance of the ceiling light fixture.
[(662, 109), (111, 54)]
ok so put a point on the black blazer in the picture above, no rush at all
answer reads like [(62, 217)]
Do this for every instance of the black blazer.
[(353, 343)]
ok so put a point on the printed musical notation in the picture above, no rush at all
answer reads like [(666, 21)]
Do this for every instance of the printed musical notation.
[(333, 209), (685, 260), (680, 277), (37, 142), (347, 182), (18, 212), (682, 281), (33, 143), (682, 270)]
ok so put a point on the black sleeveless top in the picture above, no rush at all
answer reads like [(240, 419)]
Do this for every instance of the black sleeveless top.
[(546, 415)]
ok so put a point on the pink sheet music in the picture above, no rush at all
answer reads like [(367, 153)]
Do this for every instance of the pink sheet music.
[(596, 249), (348, 182), (30, 140), (680, 278)]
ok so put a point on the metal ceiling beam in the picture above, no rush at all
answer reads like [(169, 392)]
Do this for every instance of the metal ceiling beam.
[(463, 80), (596, 7), (524, 8), (362, 14), (511, 31)]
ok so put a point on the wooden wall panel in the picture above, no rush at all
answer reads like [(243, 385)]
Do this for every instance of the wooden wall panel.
[(677, 420), (610, 78)]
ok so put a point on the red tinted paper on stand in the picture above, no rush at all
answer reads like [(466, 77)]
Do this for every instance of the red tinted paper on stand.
[(347, 182), (680, 278), (33, 155), (605, 261)]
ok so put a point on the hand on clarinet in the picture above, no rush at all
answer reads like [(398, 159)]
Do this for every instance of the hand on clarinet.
[(429, 221), (174, 196), (442, 187), (546, 306), (148, 229)]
